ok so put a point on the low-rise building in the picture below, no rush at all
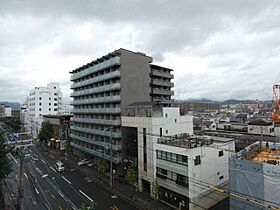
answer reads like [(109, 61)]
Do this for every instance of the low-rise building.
[(261, 127), (61, 125), (170, 157), (190, 168), (254, 175)]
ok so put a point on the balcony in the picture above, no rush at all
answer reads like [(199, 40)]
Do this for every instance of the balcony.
[(97, 110), (105, 64), (97, 100), (115, 86), (96, 153), (162, 92), (116, 147), (96, 131), (162, 74), (97, 121), (97, 79), (162, 83)]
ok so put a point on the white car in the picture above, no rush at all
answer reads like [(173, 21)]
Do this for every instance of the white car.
[(84, 162), (59, 166)]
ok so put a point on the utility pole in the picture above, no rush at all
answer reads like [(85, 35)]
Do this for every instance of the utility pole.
[(19, 185)]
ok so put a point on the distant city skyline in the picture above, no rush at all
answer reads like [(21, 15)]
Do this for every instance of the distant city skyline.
[(219, 50)]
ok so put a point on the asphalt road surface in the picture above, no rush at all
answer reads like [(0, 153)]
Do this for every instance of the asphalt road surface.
[(45, 188)]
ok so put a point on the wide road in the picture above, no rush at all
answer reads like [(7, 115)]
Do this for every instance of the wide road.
[(45, 188)]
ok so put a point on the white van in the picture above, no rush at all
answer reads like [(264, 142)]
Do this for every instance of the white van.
[(59, 166)]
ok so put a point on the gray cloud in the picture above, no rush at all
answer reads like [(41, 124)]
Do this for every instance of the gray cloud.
[(235, 44)]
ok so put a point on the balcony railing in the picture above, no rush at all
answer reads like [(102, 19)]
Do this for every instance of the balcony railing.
[(97, 110), (96, 131), (115, 86), (97, 79), (162, 74), (97, 100), (162, 92), (97, 121), (97, 67), (162, 83), (96, 153), (116, 147)]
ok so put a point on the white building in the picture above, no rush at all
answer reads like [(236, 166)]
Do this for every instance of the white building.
[(8, 111), (66, 109), (43, 101), (24, 114), (175, 167), (189, 169), (261, 127)]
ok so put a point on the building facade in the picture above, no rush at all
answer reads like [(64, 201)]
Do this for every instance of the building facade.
[(61, 124), (103, 88), (42, 101), (254, 175), (168, 154)]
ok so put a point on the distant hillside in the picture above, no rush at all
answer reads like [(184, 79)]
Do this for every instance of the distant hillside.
[(13, 105), (226, 102)]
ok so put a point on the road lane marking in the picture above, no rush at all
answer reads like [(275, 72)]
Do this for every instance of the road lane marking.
[(13, 158), (52, 168), (66, 179), (85, 195), (45, 175), (25, 175), (44, 161), (36, 190)]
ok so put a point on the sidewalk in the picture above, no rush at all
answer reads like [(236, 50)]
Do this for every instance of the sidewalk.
[(142, 200)]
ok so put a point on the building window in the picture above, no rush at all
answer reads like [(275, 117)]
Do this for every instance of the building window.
[(166, 131), (40, 98), (50, 98), (55, 99), (197, 160), (175, 120), (55, 110), (50, 109), (160, 131), (55, 104), (40, 109), (221, 153), (40, 103), (221, 177), (55, 94), (166, 115), (54, 87), (182, 180)]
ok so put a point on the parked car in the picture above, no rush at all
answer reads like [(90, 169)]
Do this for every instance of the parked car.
[(59, 166), (84, 162)]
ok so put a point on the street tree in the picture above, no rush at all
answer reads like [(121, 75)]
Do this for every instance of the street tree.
[(90, 206), (131, 176), (5, 165), (101, 165), (155, 189), (46, 132)]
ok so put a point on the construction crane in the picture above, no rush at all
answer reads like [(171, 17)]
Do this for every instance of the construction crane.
[(275, 111)]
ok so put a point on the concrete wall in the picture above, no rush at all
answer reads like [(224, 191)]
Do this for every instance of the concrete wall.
[(258, 129), (135, 78)]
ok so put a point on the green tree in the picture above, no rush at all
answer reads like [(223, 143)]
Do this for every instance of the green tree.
[(90, 206), (5, 165), (131, 177), (101, 165), (155, 189), (46, 132), (68, 148)]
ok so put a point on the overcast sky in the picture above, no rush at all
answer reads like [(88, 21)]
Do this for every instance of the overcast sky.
[(219, 49)]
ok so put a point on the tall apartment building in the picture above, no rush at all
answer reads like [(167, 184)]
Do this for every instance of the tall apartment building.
[(42, 101), (103, 88)]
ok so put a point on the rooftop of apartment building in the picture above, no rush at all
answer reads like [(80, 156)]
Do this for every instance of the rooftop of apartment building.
[(146, 109), (184, 140), (266, 152), (110, 55)]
